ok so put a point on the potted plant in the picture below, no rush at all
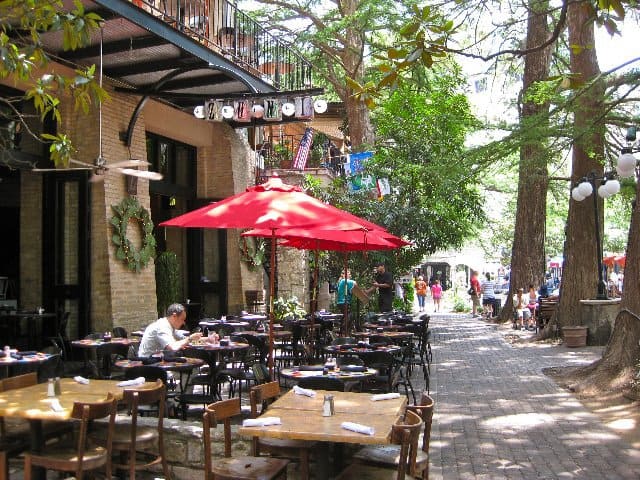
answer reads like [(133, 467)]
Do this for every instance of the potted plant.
[(287, 309), (167, 280)]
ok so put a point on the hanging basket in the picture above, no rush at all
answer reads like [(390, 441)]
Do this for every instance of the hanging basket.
[(575, 336)]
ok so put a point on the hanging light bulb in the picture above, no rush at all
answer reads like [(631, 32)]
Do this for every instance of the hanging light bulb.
[(626, 165), (257, 110), (198, 112), (227, 112), (288, 109), (320, 106), (603, 192), (575, 194), (585, 189), (612, 186)]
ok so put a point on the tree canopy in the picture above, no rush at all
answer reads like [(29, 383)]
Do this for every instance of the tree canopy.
[(25, 63)]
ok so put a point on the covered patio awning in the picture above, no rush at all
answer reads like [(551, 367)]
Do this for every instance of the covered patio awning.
[(158, 50)]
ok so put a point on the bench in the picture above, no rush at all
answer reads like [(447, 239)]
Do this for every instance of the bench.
[(546, 309)]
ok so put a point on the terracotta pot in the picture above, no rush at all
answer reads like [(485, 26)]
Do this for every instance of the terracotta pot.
[(575, 336)]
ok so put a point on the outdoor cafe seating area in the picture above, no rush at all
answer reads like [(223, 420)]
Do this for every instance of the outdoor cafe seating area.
[(311, 357)]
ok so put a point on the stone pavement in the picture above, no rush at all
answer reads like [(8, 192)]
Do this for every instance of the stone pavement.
[(497, 416)]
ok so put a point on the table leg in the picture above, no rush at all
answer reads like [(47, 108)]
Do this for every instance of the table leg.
[(36, 441), (322, 461)]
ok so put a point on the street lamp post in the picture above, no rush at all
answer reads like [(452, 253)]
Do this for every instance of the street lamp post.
[(607, 185)]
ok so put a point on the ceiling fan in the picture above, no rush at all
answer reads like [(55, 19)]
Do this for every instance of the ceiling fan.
[(100, 166)]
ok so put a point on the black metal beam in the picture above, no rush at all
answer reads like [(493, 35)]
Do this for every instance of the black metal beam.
[(117, 46), (139, 68)]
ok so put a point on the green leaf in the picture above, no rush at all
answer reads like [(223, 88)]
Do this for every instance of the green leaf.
[(120, 255), (116, 239)]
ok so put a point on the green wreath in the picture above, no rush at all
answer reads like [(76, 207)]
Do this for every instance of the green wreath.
[(129, 209), (252, 251)]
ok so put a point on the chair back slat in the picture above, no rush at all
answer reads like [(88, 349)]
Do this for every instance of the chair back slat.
[(425, 410), (407, 434), (19, 381), (214, 413), (265, 394)]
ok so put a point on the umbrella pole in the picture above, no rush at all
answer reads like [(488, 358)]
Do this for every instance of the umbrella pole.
[(272, 286), (314, 303), (346, 295)]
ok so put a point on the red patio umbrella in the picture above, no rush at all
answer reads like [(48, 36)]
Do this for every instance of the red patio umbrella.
[(272, 205), (334, 240)]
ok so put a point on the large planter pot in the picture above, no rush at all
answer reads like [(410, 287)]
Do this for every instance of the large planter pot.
[(575, 336)]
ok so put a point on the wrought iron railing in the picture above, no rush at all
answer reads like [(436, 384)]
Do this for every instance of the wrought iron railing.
[(223, 28)]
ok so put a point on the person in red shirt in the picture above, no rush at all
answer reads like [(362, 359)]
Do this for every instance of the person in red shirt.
[(475, 293), (436, 293)]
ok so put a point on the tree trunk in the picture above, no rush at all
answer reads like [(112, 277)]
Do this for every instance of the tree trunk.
[(360, 128), (580, 273), (528, 256)]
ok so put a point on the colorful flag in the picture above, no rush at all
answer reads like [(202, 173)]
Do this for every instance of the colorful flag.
[(356, 161), (300, 160), (383, 187)]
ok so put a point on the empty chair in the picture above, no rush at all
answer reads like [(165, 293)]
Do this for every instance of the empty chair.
[(388, 455), (230, 468), (405, 435), (261, 396), (82, 455), (133, 441), (151, 373), (202, 388), (119, 332)]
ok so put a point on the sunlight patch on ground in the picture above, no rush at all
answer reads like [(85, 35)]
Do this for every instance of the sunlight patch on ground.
[(588, 437), (623, 424), (520, 421)]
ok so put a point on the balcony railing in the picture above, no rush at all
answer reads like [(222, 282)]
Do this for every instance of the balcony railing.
[(223, 28)]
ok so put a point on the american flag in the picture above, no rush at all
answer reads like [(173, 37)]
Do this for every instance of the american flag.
[(300, 161)]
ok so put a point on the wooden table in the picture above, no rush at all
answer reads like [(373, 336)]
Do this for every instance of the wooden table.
[(394, 336), (33, 404), (360, 351), (102, 349), (31, 359), (302, 419), (296, 373), (186, 366)]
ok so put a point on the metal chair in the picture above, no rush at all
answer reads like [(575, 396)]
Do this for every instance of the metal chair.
[(83, 456), (262, 395), (234, 468), (405, 435)]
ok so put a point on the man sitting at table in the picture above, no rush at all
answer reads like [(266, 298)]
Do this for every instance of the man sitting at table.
[(163, 334)]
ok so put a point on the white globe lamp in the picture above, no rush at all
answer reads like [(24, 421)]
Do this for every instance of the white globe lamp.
[(585, 189), (626, 165), (257, 111)]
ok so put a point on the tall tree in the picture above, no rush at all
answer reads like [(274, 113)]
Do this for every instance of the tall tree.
[(339, 36), (528, 252), (580, 273)]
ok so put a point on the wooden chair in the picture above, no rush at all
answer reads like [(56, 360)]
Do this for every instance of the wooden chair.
[(83, 456), (297, 449), (229, 468), (132, 440), (389, 455), (405, 435)]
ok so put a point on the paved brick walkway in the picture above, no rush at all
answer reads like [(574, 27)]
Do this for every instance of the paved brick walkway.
[(498, 417)]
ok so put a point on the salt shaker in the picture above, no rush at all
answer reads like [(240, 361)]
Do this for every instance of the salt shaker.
[(56, 386), (51, 388), (328, 408), (7, 351)]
